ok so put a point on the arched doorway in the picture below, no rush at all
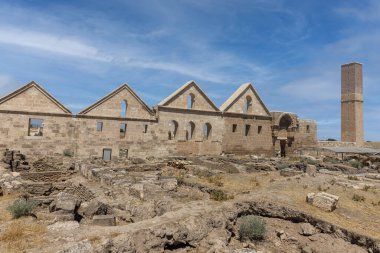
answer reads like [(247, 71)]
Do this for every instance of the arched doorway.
[(284, 124)]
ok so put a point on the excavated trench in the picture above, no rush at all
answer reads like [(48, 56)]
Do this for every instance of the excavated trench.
[(270, 210)]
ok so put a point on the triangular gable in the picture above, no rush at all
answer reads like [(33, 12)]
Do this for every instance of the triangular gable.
[(170, 99), (32, 98), (238, 94), (112, 95)]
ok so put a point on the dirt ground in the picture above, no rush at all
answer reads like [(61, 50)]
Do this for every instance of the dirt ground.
[(190, 202)]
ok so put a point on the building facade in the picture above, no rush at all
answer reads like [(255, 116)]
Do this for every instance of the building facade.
[(122, 125)]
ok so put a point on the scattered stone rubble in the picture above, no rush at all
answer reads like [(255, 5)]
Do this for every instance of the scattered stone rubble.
[(93, 193)]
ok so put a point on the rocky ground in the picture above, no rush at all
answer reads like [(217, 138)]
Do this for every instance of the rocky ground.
[(191, 204)]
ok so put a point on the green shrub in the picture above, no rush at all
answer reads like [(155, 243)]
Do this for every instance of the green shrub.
[(21, 207), (218, 195), (281, 166), (252, 228), (67, 152), (309, 161), (356, 164), (358, 198)]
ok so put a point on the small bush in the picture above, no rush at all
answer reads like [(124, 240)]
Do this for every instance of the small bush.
[(252, 228), (356, 164), (353, 178), (358, 198), (310, 161), (282, 166), (180, 178), (218, 195), (216, 180), (21, 207), (67, 152), (366, 188)]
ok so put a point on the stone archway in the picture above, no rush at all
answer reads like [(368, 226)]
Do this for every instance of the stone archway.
[(285, 122)]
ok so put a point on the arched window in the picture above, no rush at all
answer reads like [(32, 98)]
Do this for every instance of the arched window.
[(173, 127), (207, 131), (190, 101), (190, 130), (248, 104), (123, 109)]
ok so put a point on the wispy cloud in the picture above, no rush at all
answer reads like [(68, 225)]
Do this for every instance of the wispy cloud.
[(49, 42), (361, 11)]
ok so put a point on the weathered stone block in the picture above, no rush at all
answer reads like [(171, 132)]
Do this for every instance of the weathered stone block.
[(323, 200), (104, 220)]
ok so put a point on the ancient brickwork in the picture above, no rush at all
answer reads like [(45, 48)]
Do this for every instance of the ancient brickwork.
[(121, 125), (352, 104)]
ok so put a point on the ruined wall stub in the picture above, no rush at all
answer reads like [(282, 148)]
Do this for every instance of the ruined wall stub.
[(352, 103)]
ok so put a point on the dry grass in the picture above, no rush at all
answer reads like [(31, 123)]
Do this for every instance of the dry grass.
[(20, 235), (5, 201)]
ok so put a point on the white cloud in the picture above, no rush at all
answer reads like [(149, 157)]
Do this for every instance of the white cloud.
[(7, 83), (49, 42), (318, 88), (369, 13)]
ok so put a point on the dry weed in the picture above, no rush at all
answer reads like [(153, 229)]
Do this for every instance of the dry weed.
[(20, 235)]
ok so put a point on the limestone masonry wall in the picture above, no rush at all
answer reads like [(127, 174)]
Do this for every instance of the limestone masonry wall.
[(122, 125)]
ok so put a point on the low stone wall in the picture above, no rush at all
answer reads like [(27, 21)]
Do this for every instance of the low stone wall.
[(51, 176), (375, 145), (322, 144)]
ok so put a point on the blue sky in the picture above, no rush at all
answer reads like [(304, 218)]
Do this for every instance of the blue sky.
[(291, 50)]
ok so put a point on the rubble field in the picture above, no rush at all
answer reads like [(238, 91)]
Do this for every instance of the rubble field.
[(190, 204)]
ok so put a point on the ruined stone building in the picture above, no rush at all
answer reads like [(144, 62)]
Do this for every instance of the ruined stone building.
[(121, 125)]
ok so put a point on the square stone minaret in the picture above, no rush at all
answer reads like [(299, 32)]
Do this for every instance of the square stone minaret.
[(352, 104)]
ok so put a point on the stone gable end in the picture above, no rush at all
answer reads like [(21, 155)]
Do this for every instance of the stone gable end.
[(182, 98), (239, 104), (112, 107), (31, 100)]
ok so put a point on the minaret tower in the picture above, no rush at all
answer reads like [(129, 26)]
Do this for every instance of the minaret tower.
[(352, 104)]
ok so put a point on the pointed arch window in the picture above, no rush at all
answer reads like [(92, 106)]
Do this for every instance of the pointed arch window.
[(124, 109), (248, 104), (207, 131), (190, 130), (173, 128), (190, 101)]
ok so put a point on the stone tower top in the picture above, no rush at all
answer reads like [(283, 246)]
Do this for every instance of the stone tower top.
[(352, 103), (352, 80)]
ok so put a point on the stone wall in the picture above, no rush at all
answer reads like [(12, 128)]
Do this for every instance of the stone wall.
[(244, 136), (171, 128)]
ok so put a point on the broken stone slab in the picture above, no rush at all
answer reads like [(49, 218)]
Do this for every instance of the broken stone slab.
[(94, 207), (63, 225), (65, 202), (168, 183), (63, 216), (323, 200), (373, 176), (311, 170), (287, 172), (137, 190), (307, 229), (38, 189), (104, 220), (77, 247)]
